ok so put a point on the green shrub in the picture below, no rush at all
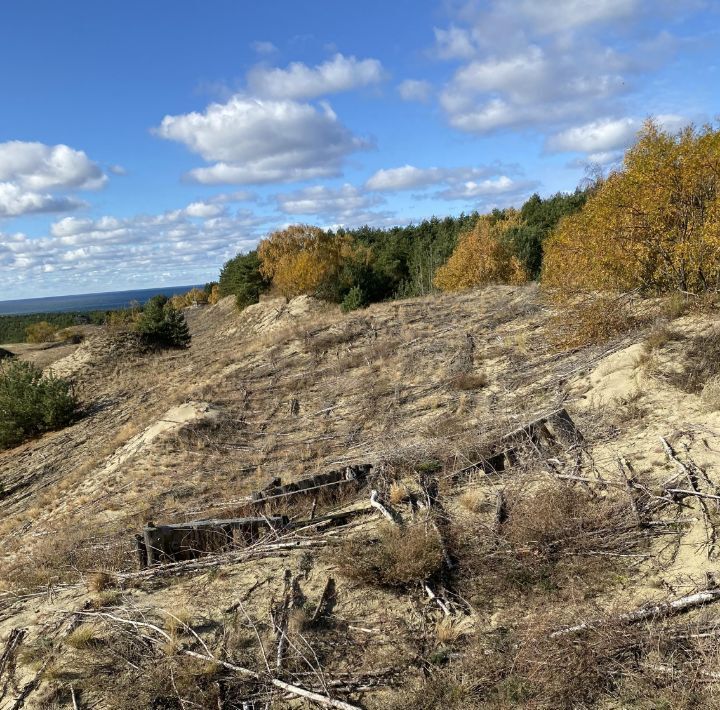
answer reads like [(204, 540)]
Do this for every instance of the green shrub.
[(241, 277), (353, 300), (31, 403), (161, 324)]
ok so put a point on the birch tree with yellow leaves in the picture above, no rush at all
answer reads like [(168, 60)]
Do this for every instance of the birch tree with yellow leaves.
[(482, 256), (301, 258), (653, 225)]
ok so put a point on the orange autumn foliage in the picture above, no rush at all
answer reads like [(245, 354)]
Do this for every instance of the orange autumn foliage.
[(482, 257), (654, 225), (301, 258)]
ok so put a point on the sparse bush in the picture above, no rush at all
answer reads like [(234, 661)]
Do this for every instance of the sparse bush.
[(552, 536), (628, 408), (469, 381), (400, 556), (710, 396), (353, 300), (591, 322), (31, 403), (701, 362), (659, 336), (42, 332)]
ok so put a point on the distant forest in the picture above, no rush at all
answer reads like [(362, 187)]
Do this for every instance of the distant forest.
[(365, 265), (12, 328)]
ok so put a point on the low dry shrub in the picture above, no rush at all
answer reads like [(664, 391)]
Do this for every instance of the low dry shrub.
[(401, 555), (659, 336), (591, 322), (701, 362), (710, 395), (554, 538), (469, 381)]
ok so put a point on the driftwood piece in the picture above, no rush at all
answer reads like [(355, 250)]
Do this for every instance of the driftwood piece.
[(676, 606), (288, 687), (385, 509), (280, 617), (434, 597), (630, 488)]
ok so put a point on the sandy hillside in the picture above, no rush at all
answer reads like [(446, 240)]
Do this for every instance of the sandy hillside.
[(453, 603)]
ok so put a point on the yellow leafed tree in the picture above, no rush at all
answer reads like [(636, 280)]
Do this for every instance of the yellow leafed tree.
[(482, 257), (654, 225), (302, 258)]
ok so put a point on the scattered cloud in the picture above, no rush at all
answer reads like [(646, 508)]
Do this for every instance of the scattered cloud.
[(15, 202), (256, 141), (459, 182), (238, 196), (407, 177), (30, 174), (264, 48), (85, 254), (604, 140), (340, 204), (299, 81), (203, 209), (604, 135), (524, 64), (500, 187), (415, 90), (454, 43)]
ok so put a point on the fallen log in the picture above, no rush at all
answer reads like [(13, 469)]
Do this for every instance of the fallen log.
[(676, 606)]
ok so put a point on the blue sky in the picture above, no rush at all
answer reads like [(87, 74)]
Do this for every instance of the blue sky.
[(144, 143)]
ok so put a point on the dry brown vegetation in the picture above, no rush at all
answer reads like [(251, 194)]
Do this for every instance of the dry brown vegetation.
[(423, 389)]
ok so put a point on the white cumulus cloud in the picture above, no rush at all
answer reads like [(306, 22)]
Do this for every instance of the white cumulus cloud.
[(32, 173), (178, 246), (604, 140), (261, 140), (299, 81), (457, 183)]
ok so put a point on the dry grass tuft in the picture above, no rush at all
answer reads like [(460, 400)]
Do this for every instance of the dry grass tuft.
[(449, 630), (100, 581), (473, 500), (659, 336), (469, 381), (555, 538), (83, 637), (397, 493), (710, 396), (702, 362), (398, 557)]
